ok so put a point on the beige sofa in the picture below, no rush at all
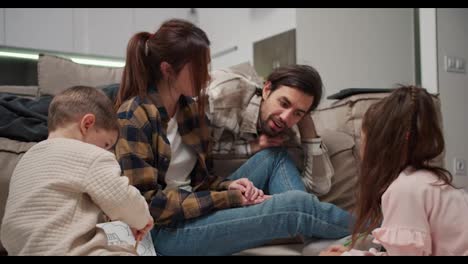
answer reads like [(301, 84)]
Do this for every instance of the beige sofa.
[(54, 75), (338, 124)]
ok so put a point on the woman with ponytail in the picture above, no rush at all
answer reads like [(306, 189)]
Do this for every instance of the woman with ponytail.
[(164, 150)]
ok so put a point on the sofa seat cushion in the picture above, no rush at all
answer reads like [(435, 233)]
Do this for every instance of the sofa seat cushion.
[(313, 247), (274, 250)]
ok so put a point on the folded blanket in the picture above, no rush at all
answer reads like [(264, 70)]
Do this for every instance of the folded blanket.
[(23, 119)]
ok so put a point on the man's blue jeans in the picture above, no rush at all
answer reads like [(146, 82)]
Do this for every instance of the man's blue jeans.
[(291, 211)]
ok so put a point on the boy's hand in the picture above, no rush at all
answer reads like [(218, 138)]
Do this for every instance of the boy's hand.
[(140, 234)]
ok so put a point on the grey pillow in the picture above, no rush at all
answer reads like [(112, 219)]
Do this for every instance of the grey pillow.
[(56, 74)]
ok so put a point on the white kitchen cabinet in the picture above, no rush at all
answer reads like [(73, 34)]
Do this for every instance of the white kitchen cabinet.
[(102, 31), (150, 19), (39, 28), (2, 26)]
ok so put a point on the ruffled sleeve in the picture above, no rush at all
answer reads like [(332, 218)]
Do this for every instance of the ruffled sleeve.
[(403, 241), (405, 228)]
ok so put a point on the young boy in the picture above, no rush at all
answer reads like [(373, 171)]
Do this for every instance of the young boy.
[(63, 185)]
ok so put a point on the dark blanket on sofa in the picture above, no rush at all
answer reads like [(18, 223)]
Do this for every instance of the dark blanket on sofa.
[(22, 118), (25, 119)]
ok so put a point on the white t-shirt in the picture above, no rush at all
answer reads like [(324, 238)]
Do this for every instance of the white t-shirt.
[(183, 159)]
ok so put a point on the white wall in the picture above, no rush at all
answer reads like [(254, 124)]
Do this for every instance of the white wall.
[(357, 48), (452, 40), (241, 27), (2, 26), (428, 49)]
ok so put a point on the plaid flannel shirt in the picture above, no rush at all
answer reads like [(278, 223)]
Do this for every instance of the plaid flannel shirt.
[(234, 107), (144, 154)]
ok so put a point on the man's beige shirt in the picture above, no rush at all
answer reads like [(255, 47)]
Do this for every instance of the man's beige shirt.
[(234, 106)]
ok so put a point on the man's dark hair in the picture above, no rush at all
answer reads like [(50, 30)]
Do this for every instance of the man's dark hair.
[(302, 77)]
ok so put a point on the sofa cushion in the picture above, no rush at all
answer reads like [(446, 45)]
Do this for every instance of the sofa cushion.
[(344, 159), (346, 115), (56, 74), (11, 152), (20, 90)]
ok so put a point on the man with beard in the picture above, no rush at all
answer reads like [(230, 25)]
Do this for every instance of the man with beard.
[(249, 121)]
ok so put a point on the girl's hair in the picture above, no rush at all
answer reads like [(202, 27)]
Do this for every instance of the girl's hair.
[(399, 131), (176, 42)]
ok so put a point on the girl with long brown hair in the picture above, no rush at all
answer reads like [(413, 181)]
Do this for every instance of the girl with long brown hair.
[(409, 205)]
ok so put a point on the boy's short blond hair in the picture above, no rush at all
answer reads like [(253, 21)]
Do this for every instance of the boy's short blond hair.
[(75, 102)]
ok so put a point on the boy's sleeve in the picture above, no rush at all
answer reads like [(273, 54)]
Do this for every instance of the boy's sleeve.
[(113, 193)]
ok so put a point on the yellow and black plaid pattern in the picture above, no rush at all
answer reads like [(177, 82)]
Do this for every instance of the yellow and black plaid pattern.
[(144, 154)]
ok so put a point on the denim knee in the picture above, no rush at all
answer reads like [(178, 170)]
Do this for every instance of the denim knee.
[(276, 153), (300, 199)]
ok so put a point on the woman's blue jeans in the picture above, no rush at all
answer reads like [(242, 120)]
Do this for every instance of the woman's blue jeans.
[(290, 212)]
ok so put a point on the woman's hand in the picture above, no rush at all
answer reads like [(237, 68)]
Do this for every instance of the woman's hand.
[(251, 194)]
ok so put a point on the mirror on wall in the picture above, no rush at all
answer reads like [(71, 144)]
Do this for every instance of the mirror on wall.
[(273, 52)]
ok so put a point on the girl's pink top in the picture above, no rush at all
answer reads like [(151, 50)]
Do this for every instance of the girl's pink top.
[(421, 219)]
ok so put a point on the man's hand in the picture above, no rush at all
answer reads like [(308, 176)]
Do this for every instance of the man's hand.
[(140, 234), (307, 127), (264, 141)]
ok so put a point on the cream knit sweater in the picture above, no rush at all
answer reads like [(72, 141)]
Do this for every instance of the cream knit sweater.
[(57, 194)]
